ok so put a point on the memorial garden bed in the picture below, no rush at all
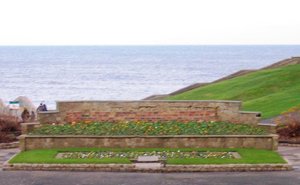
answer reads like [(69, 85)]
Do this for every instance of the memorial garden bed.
[(148, 135), (148, 128), (172, 156)]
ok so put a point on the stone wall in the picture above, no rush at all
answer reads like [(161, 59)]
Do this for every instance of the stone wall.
[(268, 142), (114, 111), (134, 168)]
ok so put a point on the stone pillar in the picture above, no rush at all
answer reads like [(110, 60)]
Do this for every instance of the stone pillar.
[(22, 142), (275, 142)]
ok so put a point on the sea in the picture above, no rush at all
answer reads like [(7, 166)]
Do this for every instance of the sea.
[(51, 73)]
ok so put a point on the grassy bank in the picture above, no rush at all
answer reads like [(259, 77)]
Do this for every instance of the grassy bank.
[(248, 156), (268, 91)]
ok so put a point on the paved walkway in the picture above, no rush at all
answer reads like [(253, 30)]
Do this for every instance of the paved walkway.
[(102, 178), (6, 154), (292, 155)]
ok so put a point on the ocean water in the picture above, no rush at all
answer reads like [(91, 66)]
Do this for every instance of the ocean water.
[(53, 73)]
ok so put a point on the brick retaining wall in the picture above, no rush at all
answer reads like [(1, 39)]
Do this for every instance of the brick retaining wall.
[(114, 111)]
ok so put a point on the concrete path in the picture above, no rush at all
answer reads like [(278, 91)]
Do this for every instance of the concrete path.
[(6, 154), (102, 178), (292, 155)]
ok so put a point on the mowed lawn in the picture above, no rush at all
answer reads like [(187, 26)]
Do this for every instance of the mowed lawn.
[(270, 91), (248, 156)]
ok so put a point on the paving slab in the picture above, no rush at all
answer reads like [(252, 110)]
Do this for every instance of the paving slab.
[(292, 155), (148, 165), (6, 154), (148, 159)]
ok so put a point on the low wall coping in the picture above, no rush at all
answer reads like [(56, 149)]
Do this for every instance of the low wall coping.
[(267, 124), (162, 136), (31, 123), (134, 168), (136, 101), (49, 112), (249, 112)]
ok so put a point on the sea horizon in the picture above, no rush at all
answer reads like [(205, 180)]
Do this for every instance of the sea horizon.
[(123, 72)]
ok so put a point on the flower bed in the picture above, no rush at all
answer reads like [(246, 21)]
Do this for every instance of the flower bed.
[(175, 156), (135, 154), (146, 128)]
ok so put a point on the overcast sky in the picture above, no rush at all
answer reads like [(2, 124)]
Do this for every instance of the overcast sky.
[(110, 22)]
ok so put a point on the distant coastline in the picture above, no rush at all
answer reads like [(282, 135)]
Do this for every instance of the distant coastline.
[(285, 62), (51, 73)]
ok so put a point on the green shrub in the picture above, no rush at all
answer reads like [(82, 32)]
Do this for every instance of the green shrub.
[(288, 125)]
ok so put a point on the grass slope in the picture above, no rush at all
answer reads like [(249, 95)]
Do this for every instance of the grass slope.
[(270, 91), (248, 156)]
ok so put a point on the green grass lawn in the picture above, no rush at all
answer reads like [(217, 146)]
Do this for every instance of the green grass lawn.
[(248, 156), (270, 91)]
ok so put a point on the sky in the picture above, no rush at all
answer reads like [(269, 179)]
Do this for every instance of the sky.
[(149, 22)]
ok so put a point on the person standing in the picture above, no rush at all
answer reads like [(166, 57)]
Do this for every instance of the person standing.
[(25, 115), (42, 107)]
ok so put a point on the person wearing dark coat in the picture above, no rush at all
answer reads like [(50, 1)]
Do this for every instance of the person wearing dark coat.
[(25, 116), (42, 107)]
